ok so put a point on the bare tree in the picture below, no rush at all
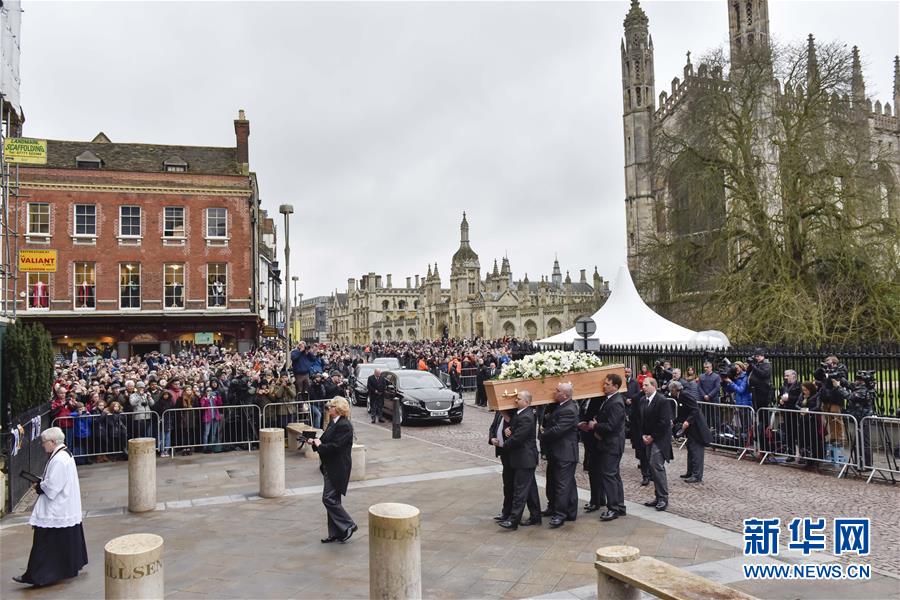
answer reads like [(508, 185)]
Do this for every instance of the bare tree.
[(778, 218)]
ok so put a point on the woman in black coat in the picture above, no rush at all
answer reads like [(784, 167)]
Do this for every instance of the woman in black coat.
[(334, 448)]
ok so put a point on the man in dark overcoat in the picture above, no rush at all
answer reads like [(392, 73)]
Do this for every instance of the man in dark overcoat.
[(520, 449), (656, 435), (559, 439)]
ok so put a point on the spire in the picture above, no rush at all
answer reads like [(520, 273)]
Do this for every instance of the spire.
[(568, 279), (896, 82), (557, 274), (857, 84), (636, 17), (428, 277), (504, 269), (812, 65), (525, 281), (464, 231), (495, 272), (436, 274)]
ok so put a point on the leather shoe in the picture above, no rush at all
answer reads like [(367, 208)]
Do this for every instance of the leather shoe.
[(653, 502), (686, 476), (548, 513), (349, 533), (327, 540), (20, 579), (380, 420), (645, 481), (556, 522), (609, 515), (509, 524), (531, 521), (501, 517), (590, 507), (621, 512), (373, 419), (692, 479), (662, 505)]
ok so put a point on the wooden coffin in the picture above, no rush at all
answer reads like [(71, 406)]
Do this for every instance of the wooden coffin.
[(501, 393)]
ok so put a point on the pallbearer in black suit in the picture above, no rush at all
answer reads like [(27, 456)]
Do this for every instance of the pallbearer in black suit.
[(693, 424), (497, 439), (591, 452), (559, 437), (656, 434), (521, 452), (334, 448), (608, 429)]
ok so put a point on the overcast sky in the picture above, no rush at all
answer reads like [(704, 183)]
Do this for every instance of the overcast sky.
[(382, 122)]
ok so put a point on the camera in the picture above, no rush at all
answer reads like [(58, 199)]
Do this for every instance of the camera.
[(726, 369), (867, 377)]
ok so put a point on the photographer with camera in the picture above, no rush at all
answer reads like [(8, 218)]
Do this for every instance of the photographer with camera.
[(790, 396), (662, 373), (861, 404), (759, 380), (734, 382), (835, 390)]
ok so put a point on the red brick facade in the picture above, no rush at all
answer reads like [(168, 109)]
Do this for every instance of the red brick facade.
[(189, 248)]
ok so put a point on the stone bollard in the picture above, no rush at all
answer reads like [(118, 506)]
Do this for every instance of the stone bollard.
[(358, 460), (611, 588), (134, 567), (271, 462), (395, 558), (141, 474)]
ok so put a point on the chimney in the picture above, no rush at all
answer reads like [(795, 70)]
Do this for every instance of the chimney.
[(242, 135), (389, 281), (351, 285), (408, 282), (377, 281), (583, 275), (417, 281)]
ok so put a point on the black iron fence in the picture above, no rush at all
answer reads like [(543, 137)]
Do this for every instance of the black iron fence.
[(884, 359), (24, 452)]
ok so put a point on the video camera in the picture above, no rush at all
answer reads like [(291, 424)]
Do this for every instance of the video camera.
[(305, 437), (726, 369), (867, 377)]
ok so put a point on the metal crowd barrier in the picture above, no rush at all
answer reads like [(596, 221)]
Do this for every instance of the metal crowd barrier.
[(468, 379), (104, 435), (880, 447), (795, 433), (732, 426), (279, 414), (189, 429)]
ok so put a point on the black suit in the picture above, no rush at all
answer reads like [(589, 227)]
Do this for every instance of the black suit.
[(335, 454), (560, 441), (507, 472), (656, 421), (376, 387), (610, 436), (697, 433), (520, 449), (591, 454)]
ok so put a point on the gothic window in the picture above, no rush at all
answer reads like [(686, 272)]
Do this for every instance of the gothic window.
[(637, 70), (750, 39), (638, 96), (749, 14), (629, 98)]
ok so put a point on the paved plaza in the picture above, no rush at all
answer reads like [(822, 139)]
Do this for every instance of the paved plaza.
[(223, 541)]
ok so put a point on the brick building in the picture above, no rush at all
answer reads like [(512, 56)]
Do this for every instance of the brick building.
[(156, 245)]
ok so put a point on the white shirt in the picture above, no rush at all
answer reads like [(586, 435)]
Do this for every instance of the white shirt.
[(60, 504), (499, 434)]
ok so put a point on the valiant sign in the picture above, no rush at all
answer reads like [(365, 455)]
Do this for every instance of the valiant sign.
[(37, 261)]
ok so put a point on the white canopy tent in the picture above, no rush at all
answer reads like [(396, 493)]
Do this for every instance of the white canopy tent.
[(627, 321)]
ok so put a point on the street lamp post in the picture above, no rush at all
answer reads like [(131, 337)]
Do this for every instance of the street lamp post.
[(299, 309), (287, 210)]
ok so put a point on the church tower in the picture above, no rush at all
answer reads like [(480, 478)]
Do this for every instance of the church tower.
[(465, 270), (638, 104), (748, 25)]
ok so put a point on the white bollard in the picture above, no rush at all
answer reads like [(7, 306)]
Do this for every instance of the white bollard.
[(271, 462), (395, 557), (141, 474), (134, 567), (611, 588), (358, 460)]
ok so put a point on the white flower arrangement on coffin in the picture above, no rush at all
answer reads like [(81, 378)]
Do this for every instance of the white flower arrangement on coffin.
[(549, 364)]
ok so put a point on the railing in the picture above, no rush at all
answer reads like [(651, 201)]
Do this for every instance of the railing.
[(884, 359), (732, 426), (105, 435), (279, 414), (782, 432), (880, 447), (24, 452), (211, 428)]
